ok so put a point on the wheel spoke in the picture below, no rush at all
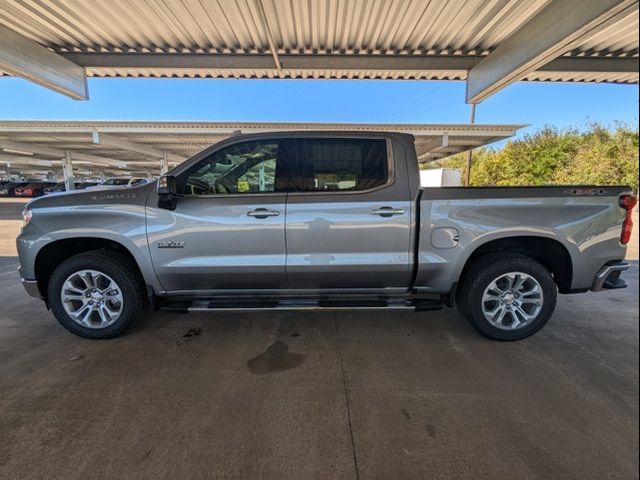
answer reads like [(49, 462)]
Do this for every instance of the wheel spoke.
[(519, 312), (517, 282), (68, 287), (87, 278), (532, 291), (83, 314), (111, 309), (491, 297), (531, 301), (494, 309), (509, 280), (515, 321), (105, 316), (69, 296), (499, 315), (495, 289)]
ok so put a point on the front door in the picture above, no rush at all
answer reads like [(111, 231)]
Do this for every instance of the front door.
[(227, 231), (348, 219)]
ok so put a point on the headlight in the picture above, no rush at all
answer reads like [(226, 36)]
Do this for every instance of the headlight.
[(26, 217)]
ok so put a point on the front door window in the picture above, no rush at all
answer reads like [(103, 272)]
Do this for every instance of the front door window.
[(248, 167)]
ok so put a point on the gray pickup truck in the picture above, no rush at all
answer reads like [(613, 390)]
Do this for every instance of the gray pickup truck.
[(325, 220)]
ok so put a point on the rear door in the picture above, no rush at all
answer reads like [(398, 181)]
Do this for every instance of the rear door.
[(227, 231), (348, 216)]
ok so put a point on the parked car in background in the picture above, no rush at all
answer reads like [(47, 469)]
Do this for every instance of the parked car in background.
[(83, 185), (60, 187), (33, 189), (120, 182), (310, 221), (9, 188), (55, 188)]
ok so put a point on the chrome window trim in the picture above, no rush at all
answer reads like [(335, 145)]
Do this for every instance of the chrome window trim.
[(391, 174)]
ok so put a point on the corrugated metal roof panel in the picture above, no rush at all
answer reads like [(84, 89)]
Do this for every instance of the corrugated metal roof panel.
[(381, 27), (234, 26)]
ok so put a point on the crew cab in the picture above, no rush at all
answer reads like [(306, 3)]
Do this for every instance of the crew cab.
[(324, 220)]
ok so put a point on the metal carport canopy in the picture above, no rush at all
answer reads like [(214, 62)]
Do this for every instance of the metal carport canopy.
[(124, 147), (490, 44)]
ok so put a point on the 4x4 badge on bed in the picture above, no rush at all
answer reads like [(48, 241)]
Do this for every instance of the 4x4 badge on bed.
[(585, 192), (170, 244)]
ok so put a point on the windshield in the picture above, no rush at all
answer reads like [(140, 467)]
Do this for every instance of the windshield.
[(116, 181)]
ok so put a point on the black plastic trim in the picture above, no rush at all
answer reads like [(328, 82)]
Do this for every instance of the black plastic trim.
[(569, 191)]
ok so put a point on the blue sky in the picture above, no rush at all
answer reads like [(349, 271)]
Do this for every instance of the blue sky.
[(367, 101)]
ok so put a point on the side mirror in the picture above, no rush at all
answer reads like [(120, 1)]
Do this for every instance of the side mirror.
[(166, 189)]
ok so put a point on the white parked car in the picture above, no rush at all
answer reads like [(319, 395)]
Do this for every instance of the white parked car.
[(120, 182)]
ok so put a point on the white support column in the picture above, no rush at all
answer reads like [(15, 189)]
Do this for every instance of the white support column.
[(67, 171), (164, 163), (467, 176)]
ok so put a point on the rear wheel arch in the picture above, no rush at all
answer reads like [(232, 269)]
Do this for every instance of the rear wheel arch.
[(54, 253), (551, 253)]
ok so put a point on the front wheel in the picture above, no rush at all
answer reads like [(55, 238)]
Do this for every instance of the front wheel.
[(507, 296), (96, 294)]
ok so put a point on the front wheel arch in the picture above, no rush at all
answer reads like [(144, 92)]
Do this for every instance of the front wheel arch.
[(53, 254)]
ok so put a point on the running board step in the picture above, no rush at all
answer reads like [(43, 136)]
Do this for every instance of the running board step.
[(285, 305)]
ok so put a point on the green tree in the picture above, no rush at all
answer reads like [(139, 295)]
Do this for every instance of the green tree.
[(594, 155)]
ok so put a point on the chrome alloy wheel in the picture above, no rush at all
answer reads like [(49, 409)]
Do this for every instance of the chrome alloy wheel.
[(92, 299), (512, 301)]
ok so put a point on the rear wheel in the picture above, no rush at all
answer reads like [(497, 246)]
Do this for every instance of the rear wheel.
[(96, 294), (507, 296)]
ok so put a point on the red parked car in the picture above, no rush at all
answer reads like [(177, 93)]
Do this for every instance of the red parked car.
[(32, 189)]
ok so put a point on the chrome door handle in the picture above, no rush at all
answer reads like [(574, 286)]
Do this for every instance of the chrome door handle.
[(263, 213), (387, 211)]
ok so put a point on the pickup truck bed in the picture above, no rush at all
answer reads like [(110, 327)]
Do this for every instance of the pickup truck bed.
[(573, 230)]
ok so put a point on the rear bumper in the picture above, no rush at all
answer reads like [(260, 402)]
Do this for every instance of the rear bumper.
[(608, 277)]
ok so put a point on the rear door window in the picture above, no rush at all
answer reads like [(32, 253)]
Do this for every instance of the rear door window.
[(339, 165)]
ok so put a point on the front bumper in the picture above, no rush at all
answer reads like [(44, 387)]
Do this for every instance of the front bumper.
[(31, 286), (608, 277)]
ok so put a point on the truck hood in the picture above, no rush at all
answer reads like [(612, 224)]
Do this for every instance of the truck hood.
[(120, 196)]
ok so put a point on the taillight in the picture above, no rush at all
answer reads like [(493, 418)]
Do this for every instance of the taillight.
[(627, 202)]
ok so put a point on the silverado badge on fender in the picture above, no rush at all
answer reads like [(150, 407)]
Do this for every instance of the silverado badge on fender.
[(170, 244)]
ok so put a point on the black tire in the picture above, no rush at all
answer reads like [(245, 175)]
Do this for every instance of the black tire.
[(117, 266), (485, 270)]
